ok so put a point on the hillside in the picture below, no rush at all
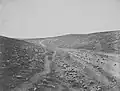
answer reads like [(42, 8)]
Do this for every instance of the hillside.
[(73, 62)]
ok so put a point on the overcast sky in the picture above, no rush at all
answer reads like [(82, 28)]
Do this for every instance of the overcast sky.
[(43, 18)]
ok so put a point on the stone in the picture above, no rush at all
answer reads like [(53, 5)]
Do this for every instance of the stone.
[(88, 62)]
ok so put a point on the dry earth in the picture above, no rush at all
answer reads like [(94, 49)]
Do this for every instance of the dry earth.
[(74, 62)]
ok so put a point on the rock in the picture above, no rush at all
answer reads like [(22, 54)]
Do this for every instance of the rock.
[(74, 62)]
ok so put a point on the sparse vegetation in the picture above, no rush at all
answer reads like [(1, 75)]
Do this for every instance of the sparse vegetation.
[(29, 66)]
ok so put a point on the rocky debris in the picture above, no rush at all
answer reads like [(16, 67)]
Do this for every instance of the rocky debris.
[(18, 62), (67, 63)]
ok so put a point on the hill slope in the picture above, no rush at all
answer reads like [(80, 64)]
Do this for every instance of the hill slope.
[(73, 62)]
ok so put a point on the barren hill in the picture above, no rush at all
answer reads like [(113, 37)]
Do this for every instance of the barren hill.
[(73, 62)]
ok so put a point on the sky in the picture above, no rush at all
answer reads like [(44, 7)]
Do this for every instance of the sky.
[(47, 18)]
